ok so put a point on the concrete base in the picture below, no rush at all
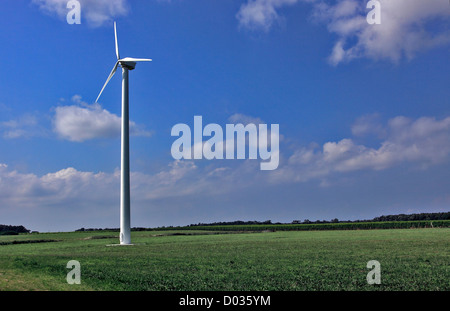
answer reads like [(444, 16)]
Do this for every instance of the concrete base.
[(120, 244)]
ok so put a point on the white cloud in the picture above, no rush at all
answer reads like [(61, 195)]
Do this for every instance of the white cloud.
[(62, 192), (407, 26), (244, 119), (180, 178), (368, 125), (260, 14), (25, 126), (423, 142), (82, 122), (405, 30), (69, 198), (78, 122), (78, 188), (95, 12)]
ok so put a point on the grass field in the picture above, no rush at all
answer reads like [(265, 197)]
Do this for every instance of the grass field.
[(410, 259)]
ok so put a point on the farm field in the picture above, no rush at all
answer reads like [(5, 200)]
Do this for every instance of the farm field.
[(200, 260)]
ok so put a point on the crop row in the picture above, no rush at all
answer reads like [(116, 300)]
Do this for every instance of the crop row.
[(326, 226)]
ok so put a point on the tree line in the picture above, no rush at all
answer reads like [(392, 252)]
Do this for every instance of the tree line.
[(12, 230), (384, 218), (397, 217)]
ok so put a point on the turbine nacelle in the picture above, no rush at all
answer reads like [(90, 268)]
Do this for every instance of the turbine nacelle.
[(127, 64), (130, 62)]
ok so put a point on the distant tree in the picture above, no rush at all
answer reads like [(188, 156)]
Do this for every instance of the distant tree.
[(18, 229)]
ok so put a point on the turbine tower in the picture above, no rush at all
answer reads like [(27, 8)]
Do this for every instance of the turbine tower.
[(127, 63)]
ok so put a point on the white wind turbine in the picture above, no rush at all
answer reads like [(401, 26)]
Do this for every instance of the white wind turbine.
[(127, 63)]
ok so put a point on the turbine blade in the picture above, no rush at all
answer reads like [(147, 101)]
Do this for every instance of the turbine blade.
[(141, 59), (107, 80), (117, 44), (131, 59)]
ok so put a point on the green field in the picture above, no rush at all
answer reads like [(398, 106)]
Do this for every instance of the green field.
[(411, 259)]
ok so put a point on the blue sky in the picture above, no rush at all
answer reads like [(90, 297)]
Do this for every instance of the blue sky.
[(363, 110)]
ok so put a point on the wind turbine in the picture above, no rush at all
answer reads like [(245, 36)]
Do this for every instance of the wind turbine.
[(127, 63)]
